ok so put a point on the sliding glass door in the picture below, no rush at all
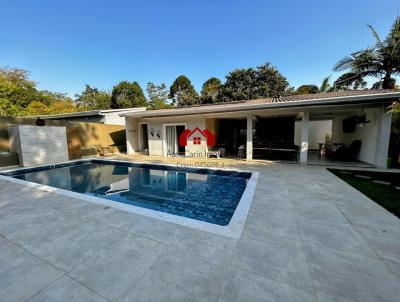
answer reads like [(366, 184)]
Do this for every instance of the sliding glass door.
[(172, 133)]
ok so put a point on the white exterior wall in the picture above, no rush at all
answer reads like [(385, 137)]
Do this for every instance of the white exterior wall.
[(367, 134), (156, 144), (132, 135), (317, 133), (113, 118)]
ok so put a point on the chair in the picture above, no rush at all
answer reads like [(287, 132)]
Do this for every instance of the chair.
[(241, 151), (353, 150), (340, 152)]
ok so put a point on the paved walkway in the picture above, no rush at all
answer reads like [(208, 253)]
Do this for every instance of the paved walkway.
[(308, 237)]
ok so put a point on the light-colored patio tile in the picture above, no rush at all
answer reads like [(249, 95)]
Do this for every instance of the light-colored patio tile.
[(66, 290), (278, 223), (292, 229), (162, 231), (387, 248), (350, 277), (3, 240), (115, 269), (281, 259), (76, 245), (214, 248), (393, 267), (33, 234), (15, 220), (334, 235), (73, 206), (319, 212), (246, 286), (180, 276), (212, 245), (375, 218), (22, 274), (118, 219)]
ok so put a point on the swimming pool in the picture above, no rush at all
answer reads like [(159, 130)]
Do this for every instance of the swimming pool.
[(206, 195)]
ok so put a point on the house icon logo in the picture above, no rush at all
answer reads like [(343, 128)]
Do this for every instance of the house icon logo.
[(197, 136)]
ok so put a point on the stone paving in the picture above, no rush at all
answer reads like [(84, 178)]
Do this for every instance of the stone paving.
[(308, 237)]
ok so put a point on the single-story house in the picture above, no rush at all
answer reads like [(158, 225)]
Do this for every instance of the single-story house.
[(351, 126), (109, 116)]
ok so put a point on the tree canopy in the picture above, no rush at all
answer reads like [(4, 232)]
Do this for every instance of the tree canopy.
[(182, 92), (252, 83), (210, 91), (312, 88), (19, 96), (127, 95), (307, 89), (93, 98), (158, 96), (350, 81)]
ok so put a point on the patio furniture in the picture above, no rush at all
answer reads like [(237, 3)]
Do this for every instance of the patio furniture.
[(321, 149), (276, 149), (341, 152), (241, 151), (214, 152)]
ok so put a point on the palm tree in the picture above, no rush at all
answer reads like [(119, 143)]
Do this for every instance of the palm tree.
[(382, 60), (325, 85)]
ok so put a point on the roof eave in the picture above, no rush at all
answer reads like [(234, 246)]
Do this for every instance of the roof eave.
[(367, 98)]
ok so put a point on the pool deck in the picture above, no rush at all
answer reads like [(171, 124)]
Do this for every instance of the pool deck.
[(308, 237)]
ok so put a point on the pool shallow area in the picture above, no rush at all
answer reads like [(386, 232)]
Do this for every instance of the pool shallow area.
[(206, 195)]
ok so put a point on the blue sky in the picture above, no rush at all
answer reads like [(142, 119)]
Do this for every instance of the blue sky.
[(67, 44)]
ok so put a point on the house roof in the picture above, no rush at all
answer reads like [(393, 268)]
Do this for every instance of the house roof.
[(328, 98), (90, 113)]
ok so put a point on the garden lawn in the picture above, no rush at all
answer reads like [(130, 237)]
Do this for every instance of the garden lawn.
[(367, 182)]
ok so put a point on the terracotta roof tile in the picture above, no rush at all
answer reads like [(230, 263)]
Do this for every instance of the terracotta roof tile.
[(282, 99)]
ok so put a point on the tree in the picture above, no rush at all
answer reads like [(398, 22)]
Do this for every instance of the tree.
[(127, 95), (240, 84), (158, 95), (350, 81), (19, 95), (312, 88), (16, 88), (325, 85), (270, 82), (253, 83), (38, 108), (182, 92), (210, 91), (92, 98), (381, 60), (307, 89)]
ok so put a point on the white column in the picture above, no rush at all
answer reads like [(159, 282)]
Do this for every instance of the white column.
[(132, 135), (249, 141), (383, 137), (304, 138)]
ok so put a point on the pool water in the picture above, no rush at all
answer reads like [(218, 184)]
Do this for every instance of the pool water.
[(206, 195)]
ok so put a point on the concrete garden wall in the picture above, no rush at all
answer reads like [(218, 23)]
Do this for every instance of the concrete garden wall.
[(38, 145), (92, 135)]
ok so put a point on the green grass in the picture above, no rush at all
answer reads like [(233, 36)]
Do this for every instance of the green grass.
[(385, 195)]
